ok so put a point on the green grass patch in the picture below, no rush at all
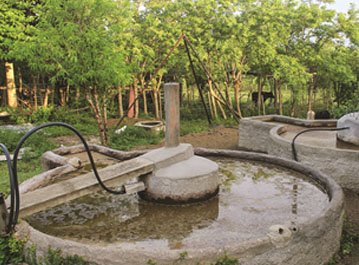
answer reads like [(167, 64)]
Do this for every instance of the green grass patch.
[(132, 137), (26, 169), (29, 165), (193, 126)]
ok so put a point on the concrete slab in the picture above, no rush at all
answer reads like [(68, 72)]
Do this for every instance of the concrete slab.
[(166, 156), (113, 176)]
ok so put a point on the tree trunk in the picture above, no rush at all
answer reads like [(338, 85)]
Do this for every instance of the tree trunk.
[(237, 92), (137, 105), (310, 95), (46, 97), (144, 96), (292, 111), (34, 91), (131, 103), (67, 97), (10, 85), (157, 96), (95, 106), (21, 84), (77, 96), (227, 86), (276, 96), (214, 106), (280, 98), (210, 104), (120, 102), (222, 110), (259, 100), (62, 96), (105, 118)]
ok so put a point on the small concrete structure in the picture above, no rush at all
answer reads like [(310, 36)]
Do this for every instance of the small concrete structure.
[(181, 179), (273, 134), (351, 135), (184, 178), (154, 126)]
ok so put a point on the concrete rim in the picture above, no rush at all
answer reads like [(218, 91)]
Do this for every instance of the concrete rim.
[(275, 132), (129, 254)]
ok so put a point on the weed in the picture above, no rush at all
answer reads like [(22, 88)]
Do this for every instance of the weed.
[(151, 262), (183, 255), (134, 136), (12, 250), (55, 257), (348, 241), (193, 126), (225, 260)]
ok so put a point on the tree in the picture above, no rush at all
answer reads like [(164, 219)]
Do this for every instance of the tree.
[(79, 42), (12, 29)]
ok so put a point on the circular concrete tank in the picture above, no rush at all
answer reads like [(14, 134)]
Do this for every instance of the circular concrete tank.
[(269, 211), (154, 126)]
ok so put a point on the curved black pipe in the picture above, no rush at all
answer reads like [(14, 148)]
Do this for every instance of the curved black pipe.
[(13, 199), (294, 151), (15, 207)]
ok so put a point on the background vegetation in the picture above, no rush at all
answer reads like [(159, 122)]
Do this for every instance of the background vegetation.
[(84, 61), (101, 54)]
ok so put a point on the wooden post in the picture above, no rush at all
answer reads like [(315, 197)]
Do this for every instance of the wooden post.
[(172, 110)]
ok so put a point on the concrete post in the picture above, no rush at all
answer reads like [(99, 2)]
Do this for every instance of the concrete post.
[(172, 109)]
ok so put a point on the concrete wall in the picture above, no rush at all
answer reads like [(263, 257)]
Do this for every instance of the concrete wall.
[(341, 164), (311, 243), (256, 134)]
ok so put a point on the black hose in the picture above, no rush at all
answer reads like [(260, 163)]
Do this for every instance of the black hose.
[(294, 151), (13, 199), (15, 196)]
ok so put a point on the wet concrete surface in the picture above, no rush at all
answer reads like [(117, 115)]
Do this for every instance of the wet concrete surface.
[(253, 198)]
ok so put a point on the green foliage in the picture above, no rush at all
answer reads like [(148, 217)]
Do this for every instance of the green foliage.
[(193, 126), (30, 164), (11, 250), (41, 115), (134, 136), (35, 142), (225, 260), (348, 241), (348, 106), (55, 257), (82, 121), (151, 262), (183, 255)]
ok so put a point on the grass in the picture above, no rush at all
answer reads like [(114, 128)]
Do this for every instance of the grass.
[(132, 137), (29, 165), (26, 170)]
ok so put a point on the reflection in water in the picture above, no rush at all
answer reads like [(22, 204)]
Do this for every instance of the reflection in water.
[(253, 197)]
